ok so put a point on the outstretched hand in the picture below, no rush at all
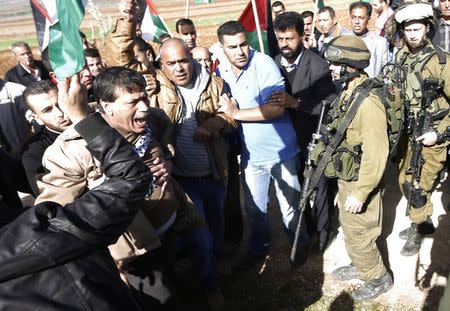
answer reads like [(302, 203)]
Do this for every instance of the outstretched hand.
[(72, 98)]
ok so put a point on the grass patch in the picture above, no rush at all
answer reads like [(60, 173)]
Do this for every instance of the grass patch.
[(6, 43), (32, 40)]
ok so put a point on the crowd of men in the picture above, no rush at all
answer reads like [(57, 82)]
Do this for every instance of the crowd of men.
[(205, 121)]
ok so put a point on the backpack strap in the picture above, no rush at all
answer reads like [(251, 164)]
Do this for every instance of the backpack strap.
[(441, 54), (363, 92)]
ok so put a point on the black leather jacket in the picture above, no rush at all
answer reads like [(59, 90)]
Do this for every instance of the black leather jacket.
[(54, 258)]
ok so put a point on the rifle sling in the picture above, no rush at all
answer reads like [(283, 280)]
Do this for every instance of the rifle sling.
[(338, 137)]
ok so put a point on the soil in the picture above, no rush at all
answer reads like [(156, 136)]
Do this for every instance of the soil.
[(419, 280)]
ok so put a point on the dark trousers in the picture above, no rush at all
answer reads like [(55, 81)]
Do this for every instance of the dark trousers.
[(232, 210), (319, 217)]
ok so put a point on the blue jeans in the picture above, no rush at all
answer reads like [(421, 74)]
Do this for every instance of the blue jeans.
[(208, 197), (256, 180)]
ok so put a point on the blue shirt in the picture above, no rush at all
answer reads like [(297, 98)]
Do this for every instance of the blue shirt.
[(263, 142)]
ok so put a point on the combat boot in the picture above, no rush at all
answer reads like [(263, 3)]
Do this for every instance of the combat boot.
[(404, 233), (346, 273), (425, 228), (412, 245), (373, 288)]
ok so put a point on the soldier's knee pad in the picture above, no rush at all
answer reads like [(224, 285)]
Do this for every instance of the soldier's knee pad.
[(418, 200)]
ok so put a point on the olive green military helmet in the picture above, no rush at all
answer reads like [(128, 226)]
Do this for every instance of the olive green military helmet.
[(348, 50)]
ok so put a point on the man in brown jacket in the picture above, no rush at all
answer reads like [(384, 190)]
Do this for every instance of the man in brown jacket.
[(191, 97)]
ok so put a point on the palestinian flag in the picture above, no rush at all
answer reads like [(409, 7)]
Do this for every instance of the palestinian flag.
[(247, 19), (153, 25), (64, 41), (42, 23)]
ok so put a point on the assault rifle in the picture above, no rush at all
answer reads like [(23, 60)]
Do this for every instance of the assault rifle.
[(417, 126), (308, 173), (447, 133)]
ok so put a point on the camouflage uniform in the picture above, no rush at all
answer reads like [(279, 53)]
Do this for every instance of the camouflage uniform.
[(434, 156), (368, 129)]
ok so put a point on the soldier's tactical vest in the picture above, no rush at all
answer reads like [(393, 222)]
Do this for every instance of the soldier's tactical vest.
[(346, 158), (413, 67)]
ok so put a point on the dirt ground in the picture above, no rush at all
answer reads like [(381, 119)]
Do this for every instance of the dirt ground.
[(419, 280)]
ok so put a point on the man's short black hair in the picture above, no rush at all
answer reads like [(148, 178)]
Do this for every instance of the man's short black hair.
[(230, 28), (306, 14), (183, 22), (328, 9), (36, 88), (277, 3), (45, 58), (114, 79), (91, 52), (163, 36), (144, 46), (289, 20), (360, 5)]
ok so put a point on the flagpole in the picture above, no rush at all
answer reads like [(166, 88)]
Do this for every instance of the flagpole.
[(316, 11), (258, 27), (186, 14)]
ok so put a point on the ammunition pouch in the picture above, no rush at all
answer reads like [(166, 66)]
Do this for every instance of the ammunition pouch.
[(344, 163)]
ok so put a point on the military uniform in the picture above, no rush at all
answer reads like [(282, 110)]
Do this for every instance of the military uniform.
[(422, 65), (357, 147), (367, 134)]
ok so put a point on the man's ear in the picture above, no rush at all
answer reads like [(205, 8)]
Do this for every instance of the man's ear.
[(107, 108), (30, 116), (149, 56)]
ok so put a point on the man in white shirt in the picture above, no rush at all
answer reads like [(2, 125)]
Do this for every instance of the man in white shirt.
[(359, 18)]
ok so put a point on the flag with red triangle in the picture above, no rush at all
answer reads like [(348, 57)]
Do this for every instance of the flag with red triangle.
[(57, 25), (247, 19), (153, 25), (42, 22)]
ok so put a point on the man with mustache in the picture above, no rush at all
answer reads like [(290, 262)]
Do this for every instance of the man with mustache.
[(72, 170), (329, 27), (360, 13), (191, 97), (308, 81), (65, 264)]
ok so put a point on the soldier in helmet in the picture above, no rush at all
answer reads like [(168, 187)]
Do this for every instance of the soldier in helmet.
[(358, 163), (421, 60)]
